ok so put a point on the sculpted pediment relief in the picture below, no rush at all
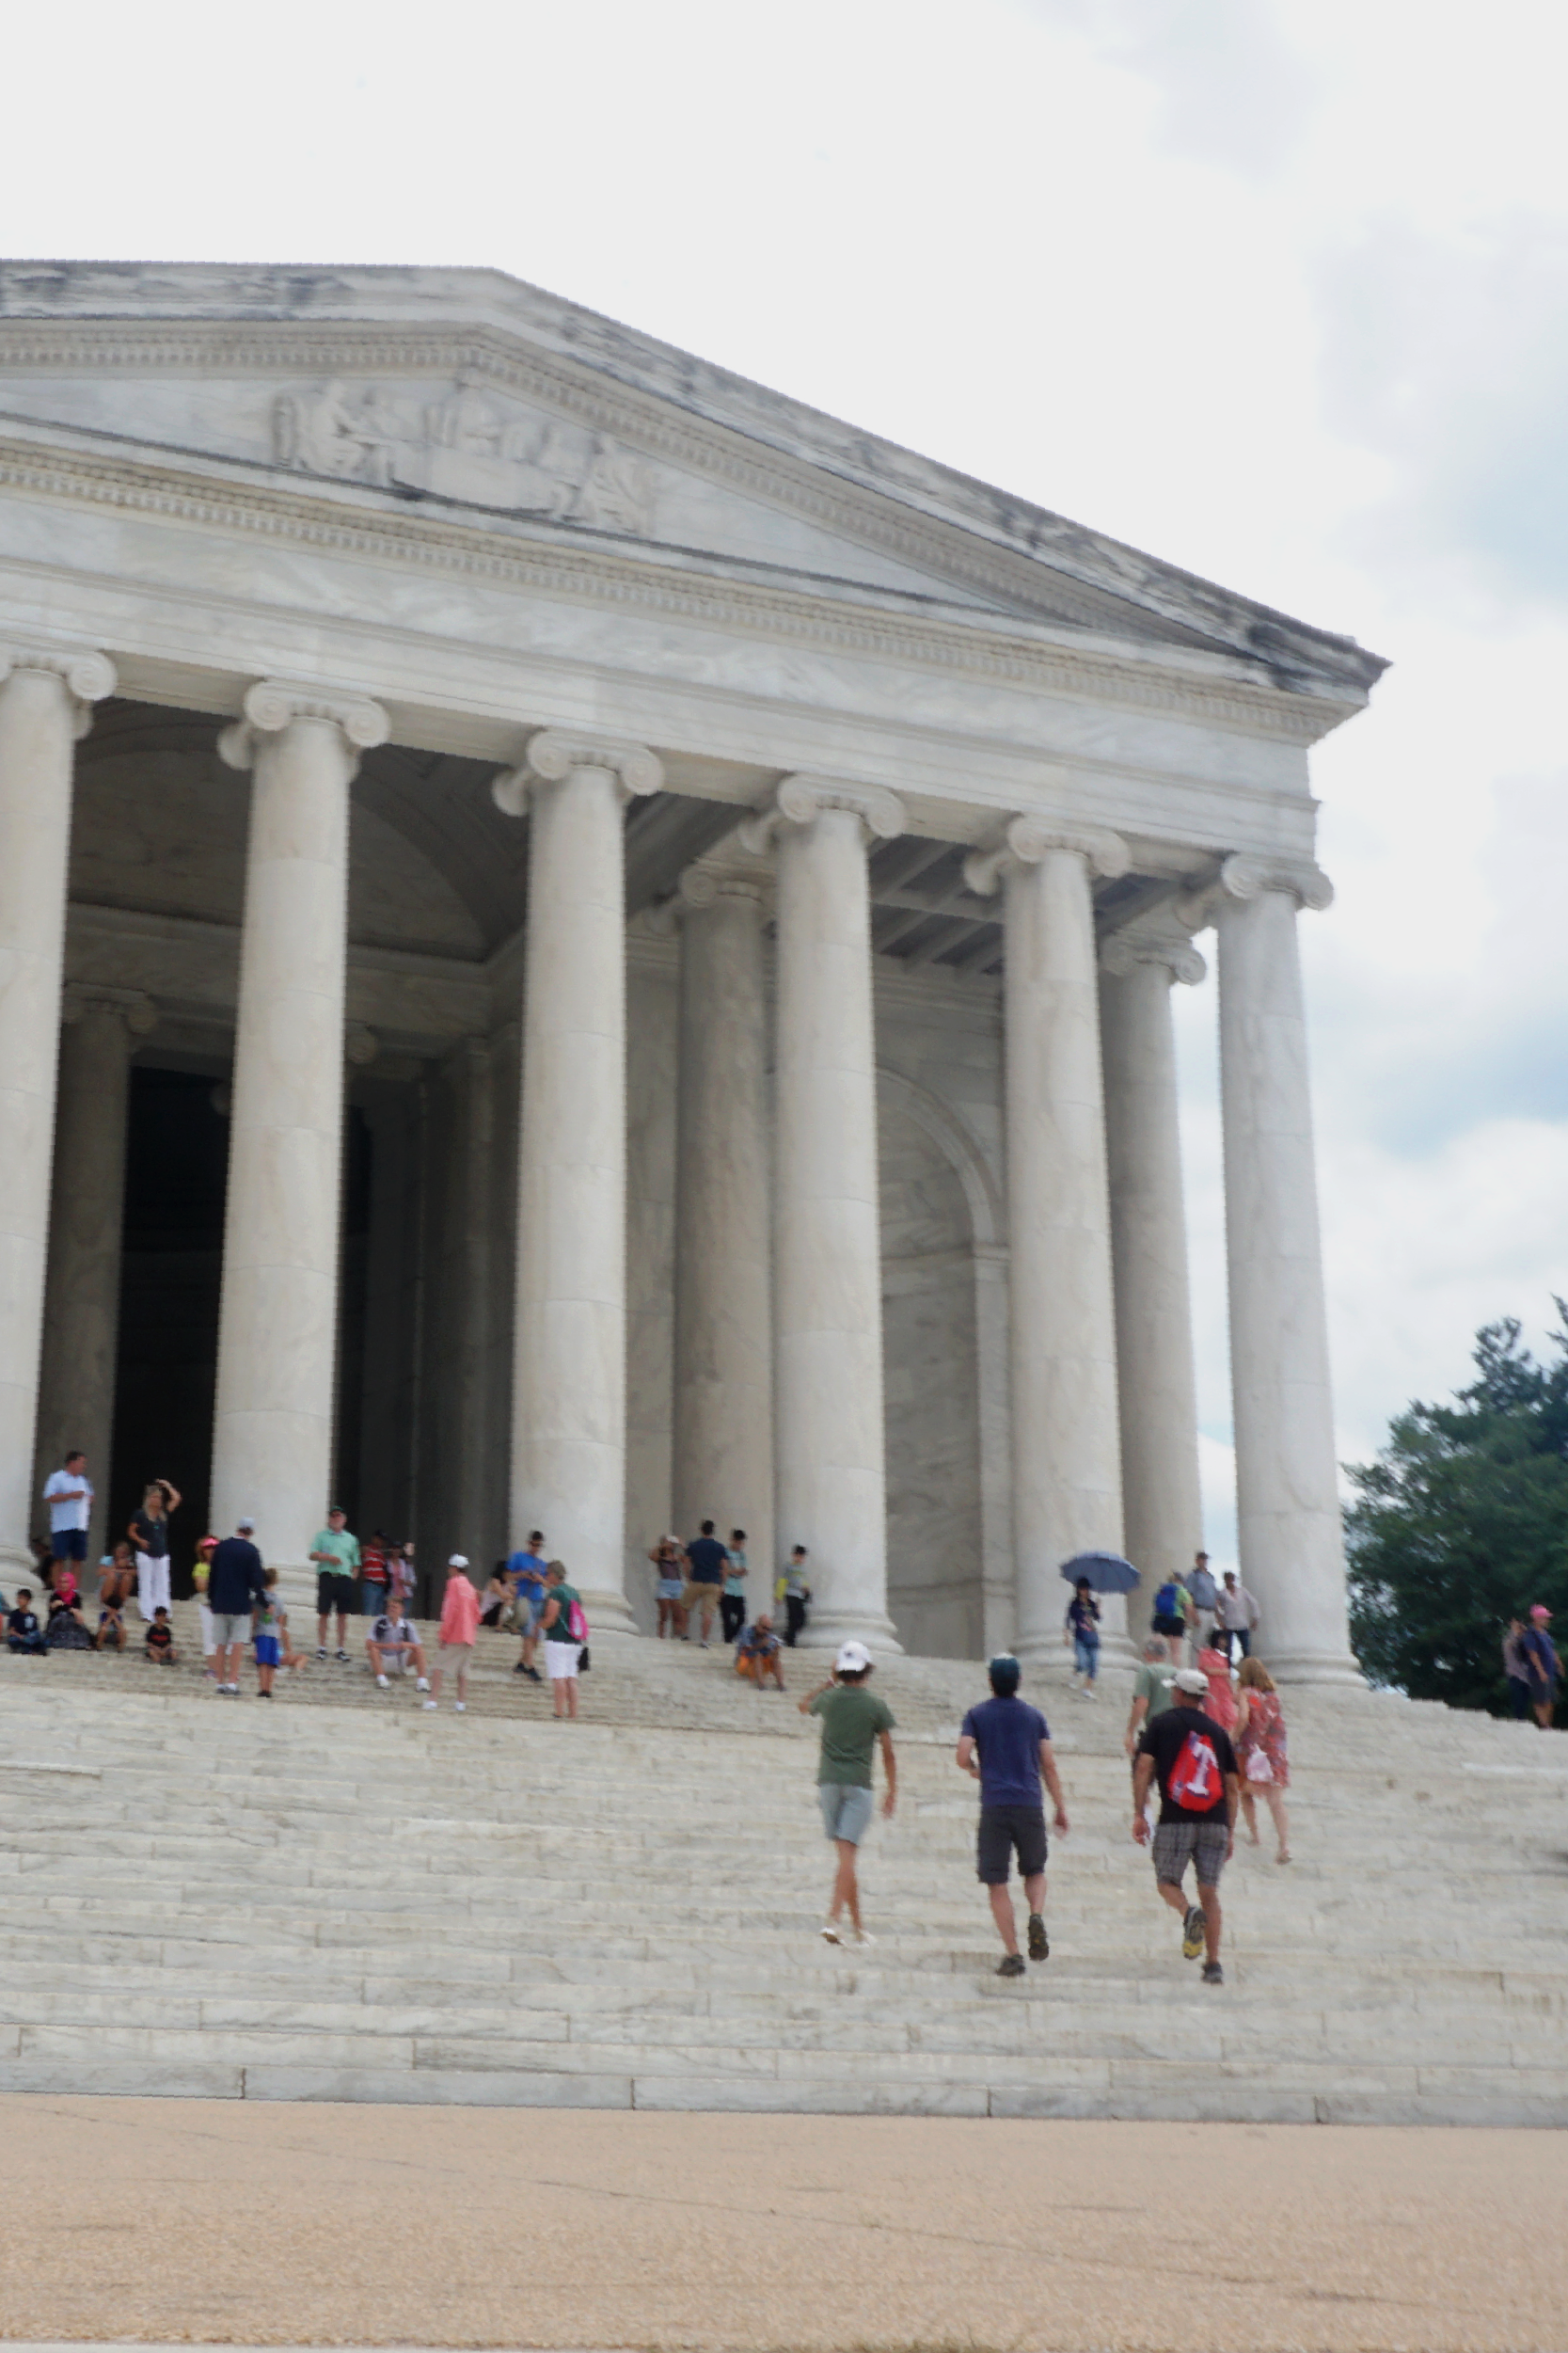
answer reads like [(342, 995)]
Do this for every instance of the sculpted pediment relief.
[(472, 445)]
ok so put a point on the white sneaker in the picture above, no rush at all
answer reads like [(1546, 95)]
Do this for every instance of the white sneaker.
[(863, 1936), (459, 1706), (424, 1683), (829, 1932), (382, 1684), (430, 1703)]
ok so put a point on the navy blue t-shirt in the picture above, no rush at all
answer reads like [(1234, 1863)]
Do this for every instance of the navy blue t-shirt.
[(1007, 1735), (708, 1558)]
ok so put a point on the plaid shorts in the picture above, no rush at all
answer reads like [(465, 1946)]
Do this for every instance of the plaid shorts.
[(1177, 1844)]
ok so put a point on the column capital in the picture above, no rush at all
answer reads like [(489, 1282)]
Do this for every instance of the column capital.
[(130, 1006), (272, 704), (802, 799), (551, 754), (728, 871), (1157, 938), (88, 675), (1244, 876), (1026, 840)]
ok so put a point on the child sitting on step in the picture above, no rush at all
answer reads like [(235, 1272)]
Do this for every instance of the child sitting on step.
[(161, 1651)]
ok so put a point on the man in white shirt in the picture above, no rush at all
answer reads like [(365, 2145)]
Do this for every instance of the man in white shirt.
[(1239, 1614), (392, 1643), (67, 1493)]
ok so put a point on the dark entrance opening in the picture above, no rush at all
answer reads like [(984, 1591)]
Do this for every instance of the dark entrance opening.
[(176, 1167), (171, 1273)]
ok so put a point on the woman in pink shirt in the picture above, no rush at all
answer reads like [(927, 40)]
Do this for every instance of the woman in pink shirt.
[(459, 1625)]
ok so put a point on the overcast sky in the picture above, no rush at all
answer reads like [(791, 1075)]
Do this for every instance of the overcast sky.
[(1276, 289)]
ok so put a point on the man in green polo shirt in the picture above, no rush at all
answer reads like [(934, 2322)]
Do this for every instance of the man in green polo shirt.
[(854, 1722), (336, 1554)]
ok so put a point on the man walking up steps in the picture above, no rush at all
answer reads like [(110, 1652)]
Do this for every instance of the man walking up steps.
[(1007, 1745), (1199, 1791), (853, 1721)]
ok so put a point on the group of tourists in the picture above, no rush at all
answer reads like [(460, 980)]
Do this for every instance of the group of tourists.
[(1188, 1607), (693, 1580), (1211, 1751)]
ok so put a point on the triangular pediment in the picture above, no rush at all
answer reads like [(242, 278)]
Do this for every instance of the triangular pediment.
[(467, 395)]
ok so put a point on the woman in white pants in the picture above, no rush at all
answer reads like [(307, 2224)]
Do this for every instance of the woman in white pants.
[(148, 1533)]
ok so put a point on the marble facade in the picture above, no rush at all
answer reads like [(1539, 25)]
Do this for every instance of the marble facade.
[(665, 908)]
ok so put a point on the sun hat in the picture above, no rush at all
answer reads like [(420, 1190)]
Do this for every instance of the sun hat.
[(852, 1660), (1538, 1609), (1191, 1679)]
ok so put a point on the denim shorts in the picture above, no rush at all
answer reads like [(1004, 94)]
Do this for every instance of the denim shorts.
[(846, 1810)]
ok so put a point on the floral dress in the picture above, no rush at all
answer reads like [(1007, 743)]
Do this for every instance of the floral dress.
[(1264, 1735)]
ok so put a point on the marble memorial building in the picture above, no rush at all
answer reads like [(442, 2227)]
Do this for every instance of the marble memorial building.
[(584, 946)]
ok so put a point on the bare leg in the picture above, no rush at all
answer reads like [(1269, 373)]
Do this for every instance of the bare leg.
[(1281, 1821), (1210, 1898), (1250, 1810), (1173, 1893), (846, 1893), (1002, 1913), (572, 1697), (1034, 1891)]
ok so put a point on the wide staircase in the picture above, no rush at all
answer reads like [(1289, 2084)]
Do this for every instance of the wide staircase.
[(339, 1896)]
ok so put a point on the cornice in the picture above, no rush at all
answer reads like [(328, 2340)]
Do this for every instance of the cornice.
[(353, 523)]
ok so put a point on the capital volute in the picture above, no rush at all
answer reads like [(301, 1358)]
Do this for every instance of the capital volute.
[(800, 801), (728, 872), (1161, 943), (274, 704), (1243, 877), (1026, 840), (131, 1006), (88, 675), (552, 754)]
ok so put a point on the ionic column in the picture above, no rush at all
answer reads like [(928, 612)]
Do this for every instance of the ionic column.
[(829, 1446), (277, 1319), (1161, 1509), (1286, 1486), (569, 1378), (723, 1401), (76, 1385), (46, 695), (1067, 1457)]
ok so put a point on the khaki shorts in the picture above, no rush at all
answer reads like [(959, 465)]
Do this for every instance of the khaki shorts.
[(700, 1596)]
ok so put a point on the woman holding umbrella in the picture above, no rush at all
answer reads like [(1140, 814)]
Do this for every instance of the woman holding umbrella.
[(1083, 1632)]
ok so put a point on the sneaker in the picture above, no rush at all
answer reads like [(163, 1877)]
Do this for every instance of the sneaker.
[(1192, 1932), (459, 1706), (862, 1936), (263, 1694), (321, 1650), (382, 1684), (343, 1658), (1012, 1965), (424, 1683), (829, 1932), (533, 1674), (1213, 1973), (1039, 1944), (430, 1703), (521, 1669)]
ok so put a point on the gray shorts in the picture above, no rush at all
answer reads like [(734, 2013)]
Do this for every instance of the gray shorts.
[(1177, 1844), (230, 1626), (846, 1810)]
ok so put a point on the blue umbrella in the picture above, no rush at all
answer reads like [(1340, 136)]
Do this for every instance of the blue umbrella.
[(1106, 1572)]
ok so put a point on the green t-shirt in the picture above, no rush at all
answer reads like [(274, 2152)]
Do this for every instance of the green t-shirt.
[(559, 1628), (852, 1718), (343, 1548), (1153, 1683)]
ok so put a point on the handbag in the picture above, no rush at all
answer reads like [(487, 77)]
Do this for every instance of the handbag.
[(584, 1663), (1257, 1766)]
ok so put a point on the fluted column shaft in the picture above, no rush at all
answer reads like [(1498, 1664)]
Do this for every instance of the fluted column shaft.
[(1162, 1506), (76, 1388), (569, 1379), (44, 697), (828, 1304), (277, 1319), (1286, 1486), (723, 1388), (1067, 1456)]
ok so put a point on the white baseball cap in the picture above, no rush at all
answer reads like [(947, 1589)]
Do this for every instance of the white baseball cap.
[(1192, 1680), (458, 1560), (852, 1660), (244, 1521)]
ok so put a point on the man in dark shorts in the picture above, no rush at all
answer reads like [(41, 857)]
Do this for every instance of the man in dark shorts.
[(1200, 1788), (707, 1561), (336, 1553), (1007, 1745)]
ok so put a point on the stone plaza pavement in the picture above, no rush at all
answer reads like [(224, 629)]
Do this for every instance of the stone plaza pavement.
[(339, 1896), (186, 2221)]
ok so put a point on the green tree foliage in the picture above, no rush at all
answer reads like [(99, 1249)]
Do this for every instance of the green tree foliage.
[(1462, 1523)]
